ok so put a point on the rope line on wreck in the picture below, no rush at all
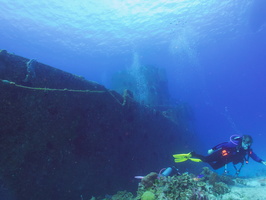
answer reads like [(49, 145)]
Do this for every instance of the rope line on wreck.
[(49, 89), (7, 82)]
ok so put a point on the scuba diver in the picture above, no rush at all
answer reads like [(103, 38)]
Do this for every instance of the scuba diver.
[(237, 150)]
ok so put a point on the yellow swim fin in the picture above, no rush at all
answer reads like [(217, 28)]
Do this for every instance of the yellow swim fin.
[(195, 159), (184, 157), (177, 160), (181, 157)]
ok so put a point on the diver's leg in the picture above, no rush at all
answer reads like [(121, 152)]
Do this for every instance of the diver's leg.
[(216, 165), (214, 157), (214, 160), (195, 155)]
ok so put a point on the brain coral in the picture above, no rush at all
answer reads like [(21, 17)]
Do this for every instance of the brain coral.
[(148, 196)]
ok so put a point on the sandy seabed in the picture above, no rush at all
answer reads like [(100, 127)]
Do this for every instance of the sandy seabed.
[(254, 189)]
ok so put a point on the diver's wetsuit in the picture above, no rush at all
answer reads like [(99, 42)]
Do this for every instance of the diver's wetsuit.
[(227, 152)]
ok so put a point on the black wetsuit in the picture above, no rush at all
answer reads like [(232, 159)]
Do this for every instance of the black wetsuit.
[(227, 152)]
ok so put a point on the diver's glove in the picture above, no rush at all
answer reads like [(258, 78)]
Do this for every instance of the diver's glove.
[(210, 151), (263, 162)]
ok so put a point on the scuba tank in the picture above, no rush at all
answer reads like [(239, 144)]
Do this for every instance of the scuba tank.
[(167, 171), (170, 171)]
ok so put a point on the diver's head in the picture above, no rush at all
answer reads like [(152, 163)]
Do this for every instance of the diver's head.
[(246, 141)]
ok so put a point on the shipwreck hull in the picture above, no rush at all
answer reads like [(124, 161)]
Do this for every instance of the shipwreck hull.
[(62, 137)]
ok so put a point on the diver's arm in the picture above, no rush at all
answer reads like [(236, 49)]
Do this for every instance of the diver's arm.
[(219, 146), (256, 158), (223, 145)]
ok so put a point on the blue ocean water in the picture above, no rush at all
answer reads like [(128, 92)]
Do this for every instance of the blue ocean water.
[(214, 52)]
